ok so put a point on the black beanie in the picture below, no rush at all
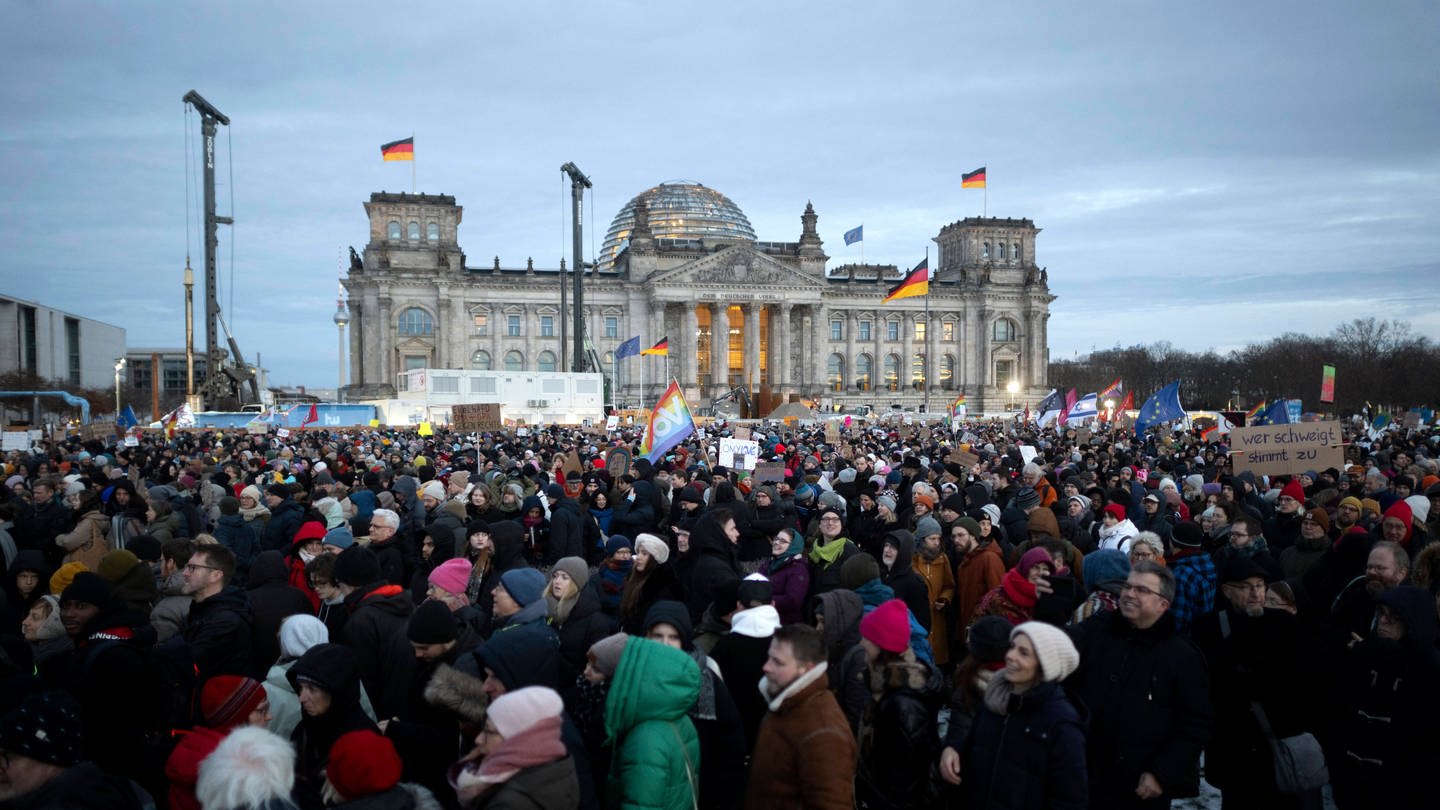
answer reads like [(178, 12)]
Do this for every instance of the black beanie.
[(1188, 534), (146, 547), (432, 623), (955, 502), (278, 490), (356, 566), (229, 505), (859, 570), (88, 587)]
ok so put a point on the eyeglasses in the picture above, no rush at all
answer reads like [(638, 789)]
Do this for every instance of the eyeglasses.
[(830, 519), (193, 566), (1234, 533), (1251, 587), (1140, 589)]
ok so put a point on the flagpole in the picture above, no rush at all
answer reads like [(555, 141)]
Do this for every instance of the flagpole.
[(412, 163), (926, 406), (985, 212)]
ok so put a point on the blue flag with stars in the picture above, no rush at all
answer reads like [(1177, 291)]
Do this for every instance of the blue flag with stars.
[(127, 418), (629, 348), (855, 235), (1277, 414), (1162, 406)]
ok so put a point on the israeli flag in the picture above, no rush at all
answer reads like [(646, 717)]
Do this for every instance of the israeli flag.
[(855, 235), (1083, 409)]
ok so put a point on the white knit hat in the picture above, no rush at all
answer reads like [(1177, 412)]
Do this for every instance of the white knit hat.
[(653, 546), (1056, 652), (434, 489), (514, 712)]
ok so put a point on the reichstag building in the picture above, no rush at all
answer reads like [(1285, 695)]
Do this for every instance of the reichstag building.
[(681, 260)]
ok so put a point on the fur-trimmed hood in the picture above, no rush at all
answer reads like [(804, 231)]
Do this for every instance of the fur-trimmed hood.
[(457, 692)]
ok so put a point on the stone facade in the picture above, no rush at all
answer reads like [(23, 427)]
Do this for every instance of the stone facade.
[(792, 329)]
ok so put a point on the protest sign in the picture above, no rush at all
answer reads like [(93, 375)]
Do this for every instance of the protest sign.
[(832, 432), (968, 460), (15, 440), (742, 432), (769, 472), (1287, 449), (611, 423), (1028, 453), (738, 454), (476, 417)]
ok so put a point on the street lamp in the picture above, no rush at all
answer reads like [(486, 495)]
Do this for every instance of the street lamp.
[(119, 367), (1013, 387), (1109, 410), (342, 319)]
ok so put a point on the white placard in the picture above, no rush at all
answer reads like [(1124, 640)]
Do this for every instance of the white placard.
[(738, 454), (283, 433), (15, 440), (611, 422), (131, 440), (1028, 453)]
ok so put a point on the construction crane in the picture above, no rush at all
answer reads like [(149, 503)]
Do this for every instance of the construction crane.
[(224, 381), (578, 183)]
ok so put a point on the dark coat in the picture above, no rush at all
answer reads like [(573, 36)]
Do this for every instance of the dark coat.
[(633, 518), (83, 787), (552, 786), (272, 600), (238, 535), (285, 520), (662, 583), (334, 668), (1031, 758), (1148, 694), (909, 586), (567, 533), (391, 555), (220, 633), (899, 753), (446, 526), (805, 753), (585, 625), (716, 568), (378, 612)]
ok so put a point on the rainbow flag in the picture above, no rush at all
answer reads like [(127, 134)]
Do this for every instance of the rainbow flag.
[(668, 425), (916, 282), (1254, 412), (1112, 390), (957, 408), (1327, 383), (399, 150)]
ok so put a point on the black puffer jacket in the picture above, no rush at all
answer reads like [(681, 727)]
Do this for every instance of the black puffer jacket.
[(285, 520), (378, 612), (909, 586), (567, 533), (903, 742), (1148, 693), (633, 518), (238, 535), (716, 568), (1031, 758), (220, 632), (272, 600)]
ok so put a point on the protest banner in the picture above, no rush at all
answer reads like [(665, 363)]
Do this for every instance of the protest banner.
[(1287, 449), (738, 454), (769, 472), (476, 417), (742, 432), (968, 460)]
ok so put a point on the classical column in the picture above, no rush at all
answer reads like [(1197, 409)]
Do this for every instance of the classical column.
[(691, 359), (752, 346), (357, 347), (442, 357), (815, 358), (387, 338), (982, 355), (932, 354), (780, 351), (852, 323), (720, 347), (907, 357)]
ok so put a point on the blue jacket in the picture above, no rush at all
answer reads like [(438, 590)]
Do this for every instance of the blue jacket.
[(1032, 757)]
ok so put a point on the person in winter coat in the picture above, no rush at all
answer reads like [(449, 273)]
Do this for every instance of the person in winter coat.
[(717, 566), (327, 681), (897, 570), (613, 571), (40, 735), (392, 549), (789, 573), (899, 740), (804, 753), (227, 702), (89, 539), (1148, 694), (574, 611), (987, 642), (297, 635), (50, 647), (1309, 547), (309, 543), (219, 630), (363, 773), (635, 510), (378, 612), (933, 567), (126, 510), (285, 518), (1116, 530), (272, 599), (656, 761), (240, 537), (567, 533), (1105, 573), (716, 717), (980, 570), (162, 522), (251, 769), (1016, 596), (134, 580), (1194, 576), (1382, 740), (831, 550), (27, 580), (508, 540), (520, 759), (1026, 750), (254, 510)]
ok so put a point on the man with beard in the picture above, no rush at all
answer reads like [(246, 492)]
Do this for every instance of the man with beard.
[(1282, 530), (805, 753), (1347, 515), (1258, 664), (1354, 611)]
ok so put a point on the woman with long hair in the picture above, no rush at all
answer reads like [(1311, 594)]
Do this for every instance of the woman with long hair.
[(89, 539), (574, 612), (652, 578), (519, 759)]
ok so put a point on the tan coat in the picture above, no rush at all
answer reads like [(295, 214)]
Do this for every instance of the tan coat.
[(979, 573), (940, 581), (88, 541), (804, 753)]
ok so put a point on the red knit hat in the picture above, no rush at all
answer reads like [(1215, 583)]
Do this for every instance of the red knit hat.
[(1293, 490), (362, 763), (1116, 511), (310, 530), (888, 626), (226, 701)]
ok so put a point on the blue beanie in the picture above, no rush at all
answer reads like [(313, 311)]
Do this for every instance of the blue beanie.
[(339, 537), (1105, 565), (525, 585), (615, 543)]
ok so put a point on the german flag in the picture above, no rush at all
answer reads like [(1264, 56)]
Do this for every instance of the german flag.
[(975, 179), (916, 282), (405, 150), (662, 348)]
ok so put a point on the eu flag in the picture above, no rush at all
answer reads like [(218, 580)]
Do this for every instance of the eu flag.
[(629, 348), (1163, 406), (855, 235), (127, 419)]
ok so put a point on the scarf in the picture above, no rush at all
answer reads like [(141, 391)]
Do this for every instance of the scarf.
[(254, 512), (534, 746), (1018, 589), (826, 554), (704, 708), (796, 549), (560, 608), (998, 695)]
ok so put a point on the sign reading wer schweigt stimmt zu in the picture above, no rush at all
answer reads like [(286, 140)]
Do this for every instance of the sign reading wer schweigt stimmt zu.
[(1287, 449)]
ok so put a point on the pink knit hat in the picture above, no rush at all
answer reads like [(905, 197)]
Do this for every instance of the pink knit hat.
[(888, 626), (452, 576)]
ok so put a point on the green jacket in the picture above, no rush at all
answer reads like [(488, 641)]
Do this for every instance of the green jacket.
[(656, 764)]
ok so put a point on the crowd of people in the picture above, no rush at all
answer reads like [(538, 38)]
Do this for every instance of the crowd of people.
[(904, 617)]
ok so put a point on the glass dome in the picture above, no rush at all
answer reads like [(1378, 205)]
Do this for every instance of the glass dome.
[(678, 210)]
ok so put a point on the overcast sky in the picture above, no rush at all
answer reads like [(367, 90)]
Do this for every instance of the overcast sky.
[(1207, 174)]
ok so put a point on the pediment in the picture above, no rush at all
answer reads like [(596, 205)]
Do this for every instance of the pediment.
[(736, 266)]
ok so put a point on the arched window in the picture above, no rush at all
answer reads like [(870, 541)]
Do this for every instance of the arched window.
[(416, 321), (1015, 251), (1000, 251), (835, 372), (1004, 330), (432, 232), (514, 361), (917, 371), (864, 367), (480, 360), (947, 372), (985, 251), (414, 231), (892, 372), (546, 361), (393, 231)]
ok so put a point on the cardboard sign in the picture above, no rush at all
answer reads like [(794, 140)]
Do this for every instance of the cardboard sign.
[(1413, 420), (739, 454), (1082, 437), (968, 460), (832, 432), (476, 417), (572, 466), (1287, 449), (742, 433), (769, 472), (617, 461)]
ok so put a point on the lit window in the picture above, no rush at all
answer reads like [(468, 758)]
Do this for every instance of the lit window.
[(612, 326), (837, 329), (546, 361), (514, 361), (835, 372), (863, 371), (512, 326), (892, 330), (920, 330), (547, 326), (892, 373), (393, 231), (482, 324), (416, 321), (947, 331), (1004, 373), (917, 371), (865, 330), (432, 231), (1004, 330), (414, 231), (480, 360)]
